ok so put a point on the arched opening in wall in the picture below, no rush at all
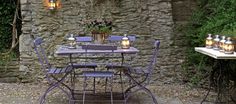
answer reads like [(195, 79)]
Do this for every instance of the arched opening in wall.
[(10, 30)]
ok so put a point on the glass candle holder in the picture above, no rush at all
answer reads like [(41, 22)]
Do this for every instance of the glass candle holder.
[(216, 42), (222, 43), (72, 42), (228, 46), (125, 43), (52, 4), (209, 41)]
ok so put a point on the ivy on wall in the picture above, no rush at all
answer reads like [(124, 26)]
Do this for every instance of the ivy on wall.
[(212, 16)]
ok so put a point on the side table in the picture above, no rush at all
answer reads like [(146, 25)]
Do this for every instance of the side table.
[(221, 76)]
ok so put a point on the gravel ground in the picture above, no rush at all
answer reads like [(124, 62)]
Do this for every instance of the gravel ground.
[(29, 93)]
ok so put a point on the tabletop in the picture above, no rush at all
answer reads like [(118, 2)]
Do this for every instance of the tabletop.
[(63, 50), (214, 53)]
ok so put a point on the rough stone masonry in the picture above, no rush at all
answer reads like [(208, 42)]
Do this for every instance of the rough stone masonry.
[(148, 19)]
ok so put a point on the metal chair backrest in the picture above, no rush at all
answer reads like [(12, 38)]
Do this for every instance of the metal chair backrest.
[(152, 63), (132, 37), (114, 38), (83, 39), (41, 53), (99, 48)]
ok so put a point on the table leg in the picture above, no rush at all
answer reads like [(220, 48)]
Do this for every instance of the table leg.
[(72, 76), (220, 75), (209, 87)]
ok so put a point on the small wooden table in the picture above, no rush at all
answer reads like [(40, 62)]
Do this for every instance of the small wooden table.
[(214, 53), (220, 56)]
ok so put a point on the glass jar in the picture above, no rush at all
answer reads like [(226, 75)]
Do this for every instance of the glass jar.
[(222, 43), (71, 41), (229, 46), (125, 43), (216, 42), (209, 41)]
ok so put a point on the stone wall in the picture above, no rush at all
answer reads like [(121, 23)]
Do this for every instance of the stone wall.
[(148, 19), (182, 11)]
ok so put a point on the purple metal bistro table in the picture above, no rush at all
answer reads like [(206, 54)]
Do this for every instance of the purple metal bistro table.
[(65, 51), (220, 77)]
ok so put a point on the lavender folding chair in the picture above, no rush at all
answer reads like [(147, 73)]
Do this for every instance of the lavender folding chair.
[(98, 74), (84, 39), (146, 72), (50, 72), (116, 39), (87, 65)]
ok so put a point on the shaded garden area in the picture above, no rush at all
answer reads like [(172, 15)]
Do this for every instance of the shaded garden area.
[(187, 85), (9, 45)]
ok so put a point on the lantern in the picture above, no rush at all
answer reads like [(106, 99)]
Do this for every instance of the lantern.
[(209, 41), (222, 43), (125, 43), (228, 46), (52, 4), (71, 41), (216, 42)]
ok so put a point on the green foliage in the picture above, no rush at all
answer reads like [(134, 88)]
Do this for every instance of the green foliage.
[(212, 16), (99, 26), (7, 12), (5, 59), (7, 9)]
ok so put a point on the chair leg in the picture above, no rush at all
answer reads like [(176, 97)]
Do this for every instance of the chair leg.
[(106, 82), (94, 85), (145, 90), (84, 89), (150, 94), (42, 99), (141, 87), (73, 85), (121, 81), (54, 85), (122, 85), (73, 79), (111, 86), (126, 97)]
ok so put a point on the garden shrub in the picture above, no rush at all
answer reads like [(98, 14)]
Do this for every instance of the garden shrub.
[(214, 17), (7, 11)]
